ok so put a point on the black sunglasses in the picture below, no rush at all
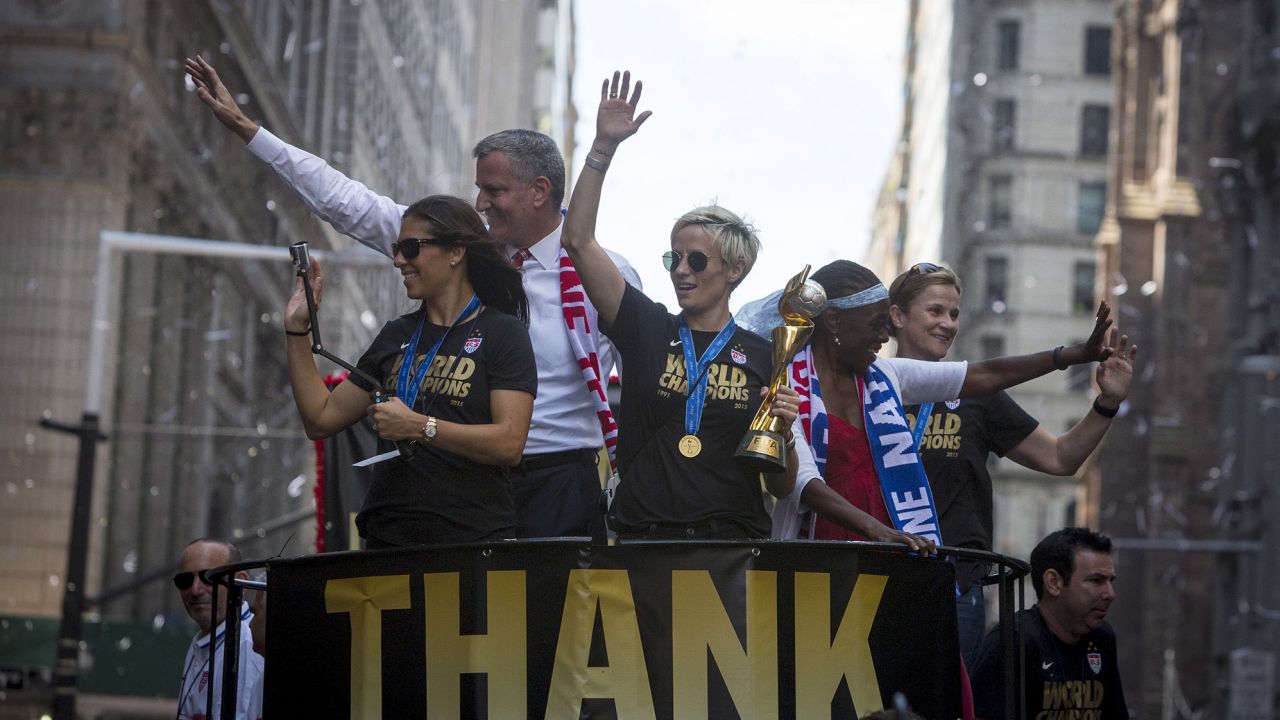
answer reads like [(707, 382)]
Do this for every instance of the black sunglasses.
[(409, 247), (697, 260), (924, 268), (183, 580)]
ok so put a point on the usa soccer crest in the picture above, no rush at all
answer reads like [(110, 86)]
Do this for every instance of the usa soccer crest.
[(738, 356), (953, 404), (472, 345), (1095, 662)]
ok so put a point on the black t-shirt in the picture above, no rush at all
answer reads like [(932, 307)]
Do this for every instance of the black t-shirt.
[(960, 435), (1063, 682), (434, 495), (659, 485)]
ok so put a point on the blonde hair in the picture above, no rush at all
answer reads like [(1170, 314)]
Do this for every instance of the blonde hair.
[(735, 238)]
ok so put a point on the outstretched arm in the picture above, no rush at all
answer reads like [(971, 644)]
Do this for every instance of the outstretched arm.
[(988, 376), (212, 92), (1064, 454), (348, 205), (616, 121)]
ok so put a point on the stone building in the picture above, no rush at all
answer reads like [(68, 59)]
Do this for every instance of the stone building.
[(103, 132), (1190, 258), (1000, 173)]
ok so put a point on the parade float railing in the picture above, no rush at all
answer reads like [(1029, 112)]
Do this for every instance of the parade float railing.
[(568, 628)]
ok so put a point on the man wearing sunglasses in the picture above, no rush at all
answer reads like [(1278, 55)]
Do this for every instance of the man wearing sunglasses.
[(205, 653), (520, 181)]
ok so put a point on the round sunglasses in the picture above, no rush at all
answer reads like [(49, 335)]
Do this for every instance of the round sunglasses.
[(409, 247), (696, 260)]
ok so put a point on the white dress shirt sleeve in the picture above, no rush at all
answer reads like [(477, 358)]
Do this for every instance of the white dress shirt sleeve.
[(348, 205)]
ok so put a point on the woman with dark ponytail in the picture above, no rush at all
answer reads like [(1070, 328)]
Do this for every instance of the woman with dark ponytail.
[(460, 378)]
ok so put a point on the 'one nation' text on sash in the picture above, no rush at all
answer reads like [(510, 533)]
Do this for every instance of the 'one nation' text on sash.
[(907, 495)]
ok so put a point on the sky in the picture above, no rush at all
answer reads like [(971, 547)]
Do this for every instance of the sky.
[(785, 112)]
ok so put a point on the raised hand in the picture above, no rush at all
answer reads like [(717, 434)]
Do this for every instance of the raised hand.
[(296, 316), (616, 120), (1116, 372), (212, 92), (1099, 345)]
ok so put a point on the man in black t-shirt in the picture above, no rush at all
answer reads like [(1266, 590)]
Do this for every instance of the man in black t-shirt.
[(1070, 651)]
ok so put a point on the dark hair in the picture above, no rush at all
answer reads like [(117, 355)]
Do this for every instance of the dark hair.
[(1058, 552), (908, 286), (532, 155), (233, 552), (842, 278), (489, 271)]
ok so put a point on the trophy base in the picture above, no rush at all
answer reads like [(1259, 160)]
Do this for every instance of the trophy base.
[(762, 451)]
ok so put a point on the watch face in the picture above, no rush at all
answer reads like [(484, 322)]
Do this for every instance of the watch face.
[(429, 430)]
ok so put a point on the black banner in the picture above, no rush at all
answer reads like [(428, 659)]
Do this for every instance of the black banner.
[(561, 629)]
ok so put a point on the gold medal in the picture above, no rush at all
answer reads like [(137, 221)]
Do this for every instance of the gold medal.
[(690, 446)]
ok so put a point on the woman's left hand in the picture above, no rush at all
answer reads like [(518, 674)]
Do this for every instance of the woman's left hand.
[(393, 420), (786, 404), (1116, 372), (616, 120)]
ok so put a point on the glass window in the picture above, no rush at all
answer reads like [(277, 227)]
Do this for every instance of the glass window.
[(1097, 50), (1091, 203), (1000, 203), (997, 276), (1007, 32), (1082, 287), (1005, 129), (1094, 124)]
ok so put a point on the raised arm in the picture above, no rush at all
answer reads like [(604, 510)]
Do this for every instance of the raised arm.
[(1064, 454), (323, 413), (988, 376), (616, 121), (348, 205), (212, 92)]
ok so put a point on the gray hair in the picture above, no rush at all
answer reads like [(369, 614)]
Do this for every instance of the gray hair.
[(532, 155), (735, 238)]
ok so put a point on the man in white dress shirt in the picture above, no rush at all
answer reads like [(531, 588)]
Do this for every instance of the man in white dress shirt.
[(520, 181), (200, 665)]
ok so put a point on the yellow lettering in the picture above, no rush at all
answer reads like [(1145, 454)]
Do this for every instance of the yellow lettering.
[(675, 365), (437, 365), (953, 424), (626, 678), (737, 378), (501, 653), (364, 599), (821, 661), (465, 369), (699, 623)]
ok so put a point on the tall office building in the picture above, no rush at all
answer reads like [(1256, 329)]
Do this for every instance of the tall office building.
[(1190, 258), (103, 132), (1000, 173)]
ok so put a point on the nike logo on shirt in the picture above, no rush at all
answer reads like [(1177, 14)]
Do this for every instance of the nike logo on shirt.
[(1046, 666), (675, 343), (405, 345)]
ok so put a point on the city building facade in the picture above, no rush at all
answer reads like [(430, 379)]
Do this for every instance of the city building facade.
[(1190, 258), (104, 132), (1000, 174)]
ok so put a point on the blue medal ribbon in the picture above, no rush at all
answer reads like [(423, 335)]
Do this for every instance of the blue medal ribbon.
[(406, 390), (695, 367), (922, 421)]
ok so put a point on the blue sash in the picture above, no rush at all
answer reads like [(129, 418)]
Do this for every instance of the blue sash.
[(907, 495)]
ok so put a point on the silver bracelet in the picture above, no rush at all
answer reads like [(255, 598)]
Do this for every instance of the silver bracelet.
[(596, 163)]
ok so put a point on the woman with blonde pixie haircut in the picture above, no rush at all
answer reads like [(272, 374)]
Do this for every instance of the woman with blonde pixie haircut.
[(694, 380)]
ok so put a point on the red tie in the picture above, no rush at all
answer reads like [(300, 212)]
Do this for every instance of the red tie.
[(517, 260)]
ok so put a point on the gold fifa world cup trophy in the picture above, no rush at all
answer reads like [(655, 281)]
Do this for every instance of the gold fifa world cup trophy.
[(763, 448)]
